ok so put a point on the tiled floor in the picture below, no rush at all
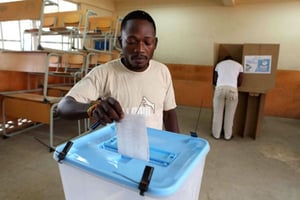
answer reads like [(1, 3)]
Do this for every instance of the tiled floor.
[(267, 168)]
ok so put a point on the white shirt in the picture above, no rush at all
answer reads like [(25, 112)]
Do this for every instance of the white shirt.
[(148, 93), (228, 72)]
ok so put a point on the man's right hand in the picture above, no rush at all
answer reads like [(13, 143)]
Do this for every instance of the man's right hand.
[(107, 111)]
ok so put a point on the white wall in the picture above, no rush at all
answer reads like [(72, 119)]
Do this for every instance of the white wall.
[(187, 32), (101, 7), (107, 5)]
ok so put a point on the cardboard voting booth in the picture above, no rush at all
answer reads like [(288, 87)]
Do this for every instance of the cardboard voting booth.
[(91, 168), (260, 66)]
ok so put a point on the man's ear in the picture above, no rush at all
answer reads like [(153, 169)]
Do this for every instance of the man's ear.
[(120, 41), (156, 42)]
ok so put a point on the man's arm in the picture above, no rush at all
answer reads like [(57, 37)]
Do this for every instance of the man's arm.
[(69, 108), (170, 121)]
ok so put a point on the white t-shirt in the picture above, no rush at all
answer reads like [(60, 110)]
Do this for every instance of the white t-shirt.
[(228, 72), (149, 92)]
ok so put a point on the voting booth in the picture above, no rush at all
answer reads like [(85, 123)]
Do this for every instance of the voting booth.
[(260, 66), (92, 168)]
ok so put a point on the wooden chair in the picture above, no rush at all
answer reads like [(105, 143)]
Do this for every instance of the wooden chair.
[(14, 11), (96, 58), (70, 27), (100, 29), (72, 65), (103, 25), (47, 23)]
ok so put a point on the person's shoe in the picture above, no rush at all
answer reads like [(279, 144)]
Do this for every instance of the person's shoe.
[(216, 138), (228, 138)]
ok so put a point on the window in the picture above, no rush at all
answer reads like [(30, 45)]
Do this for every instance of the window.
[(63, 6), (11, 32)]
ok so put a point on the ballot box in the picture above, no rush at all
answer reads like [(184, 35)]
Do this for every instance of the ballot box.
[(91, 168)]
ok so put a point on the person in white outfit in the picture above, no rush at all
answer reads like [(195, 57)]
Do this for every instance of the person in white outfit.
[(227, 78)]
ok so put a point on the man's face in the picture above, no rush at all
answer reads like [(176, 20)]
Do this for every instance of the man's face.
[(138, 42)]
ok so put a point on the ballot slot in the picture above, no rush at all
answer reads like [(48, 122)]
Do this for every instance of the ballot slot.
[(157, 156)]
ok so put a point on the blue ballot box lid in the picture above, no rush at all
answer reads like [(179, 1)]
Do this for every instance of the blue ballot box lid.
[(172, 155)]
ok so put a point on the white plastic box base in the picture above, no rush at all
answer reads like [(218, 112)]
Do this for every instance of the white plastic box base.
[(80, 185), (93, 169)]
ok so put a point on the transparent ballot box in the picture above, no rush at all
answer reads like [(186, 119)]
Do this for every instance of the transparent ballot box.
[(91, 167)]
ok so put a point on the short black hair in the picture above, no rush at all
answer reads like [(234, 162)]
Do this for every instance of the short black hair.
[(138, 14), (228, 58)]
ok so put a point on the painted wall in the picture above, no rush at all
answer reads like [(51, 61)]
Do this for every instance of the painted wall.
[(97, 5), (187, 31)]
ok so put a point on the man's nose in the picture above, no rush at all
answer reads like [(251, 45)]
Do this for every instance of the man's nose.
[(140, 46)]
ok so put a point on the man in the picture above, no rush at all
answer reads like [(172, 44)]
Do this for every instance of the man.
[(133, 84), (227, 78)]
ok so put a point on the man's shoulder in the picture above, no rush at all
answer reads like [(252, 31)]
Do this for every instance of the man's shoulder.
[(158, 64), (236, 62), (113, 62), (229, 62), (105, 68), (109, 64)]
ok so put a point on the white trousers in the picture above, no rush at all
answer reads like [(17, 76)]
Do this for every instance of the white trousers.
[(225, 98)]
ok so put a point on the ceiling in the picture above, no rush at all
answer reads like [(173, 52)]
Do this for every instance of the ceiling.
[(229, 3), (236, 2), (224, 2)]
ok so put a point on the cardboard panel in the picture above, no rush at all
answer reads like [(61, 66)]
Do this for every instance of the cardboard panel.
[(62, 17), (240, 116), (260, 82), (223, 50), (254, 115)]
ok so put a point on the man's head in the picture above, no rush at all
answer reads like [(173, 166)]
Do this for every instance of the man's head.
[(138, 40)]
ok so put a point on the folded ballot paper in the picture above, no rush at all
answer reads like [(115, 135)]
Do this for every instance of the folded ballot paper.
[(132, 137)]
